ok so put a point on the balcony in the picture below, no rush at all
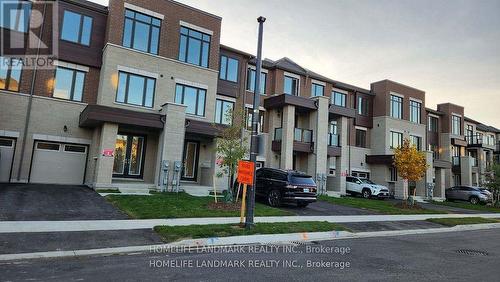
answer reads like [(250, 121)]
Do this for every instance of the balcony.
[(333, 142), (302, 135), (302, 140), (475, 140), (455, 161)]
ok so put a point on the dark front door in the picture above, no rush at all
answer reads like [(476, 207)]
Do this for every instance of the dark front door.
[(190, 160), (129, 156)]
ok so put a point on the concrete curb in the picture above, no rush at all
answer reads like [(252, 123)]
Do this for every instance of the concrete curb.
[(129, 224), (245, 240)]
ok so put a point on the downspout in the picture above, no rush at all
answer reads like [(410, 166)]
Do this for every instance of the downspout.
[(30, 99)]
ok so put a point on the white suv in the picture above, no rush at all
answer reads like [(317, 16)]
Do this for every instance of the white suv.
[(366, 188)]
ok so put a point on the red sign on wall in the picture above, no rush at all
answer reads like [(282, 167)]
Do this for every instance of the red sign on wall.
[(108, 152), (246, 172)]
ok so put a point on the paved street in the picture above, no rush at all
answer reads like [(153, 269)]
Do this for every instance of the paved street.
[(416, 257)]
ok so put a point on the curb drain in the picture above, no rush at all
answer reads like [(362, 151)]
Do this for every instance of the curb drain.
[(472, 252)]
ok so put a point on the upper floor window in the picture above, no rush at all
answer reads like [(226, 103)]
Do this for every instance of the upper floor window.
[(432, 124), (251, 81), (317, 89), (333, 136), (224, 112), (396, 139), (396, 107), (415, 111), (135, 89), (10, 73), (69, 84), (416, 141), (76, 28), (291, 85), (228, 69), (360, 138), (339, 99), (456, 124), (363, 106), (15, 15), (141, 32), (470, 130), (192, 97), (194, 47)]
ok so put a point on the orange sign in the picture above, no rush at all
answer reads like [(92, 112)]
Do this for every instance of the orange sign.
[(246, 171), (108, 152)]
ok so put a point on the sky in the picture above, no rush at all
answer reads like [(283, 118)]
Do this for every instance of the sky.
[(449, 49)]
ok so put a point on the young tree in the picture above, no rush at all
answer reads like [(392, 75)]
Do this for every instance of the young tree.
[(493, 183), (231, 147), (410, 163)]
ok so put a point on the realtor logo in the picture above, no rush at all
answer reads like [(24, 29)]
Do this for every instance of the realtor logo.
[(28, 33)]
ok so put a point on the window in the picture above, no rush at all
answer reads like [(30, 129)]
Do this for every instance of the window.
[(456, 123), (339, 99), (10, 73), (396, 107), (470, 131), (393, 174), (251, 81), (15, 16), (396, 139), (141, 32), (291, 86), (249, 116), (75, 149), (68, 84), (223, 112), (363, 106), (47, 146), (432, 124), (194, 47), (361, 138), (193, 98), (317, 90), (228, 69), (435, 151), (135, 89), (415, 111), (333, 136), (416, 141), (76, 28)]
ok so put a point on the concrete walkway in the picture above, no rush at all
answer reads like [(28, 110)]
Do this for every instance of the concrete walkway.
[(92, 225)]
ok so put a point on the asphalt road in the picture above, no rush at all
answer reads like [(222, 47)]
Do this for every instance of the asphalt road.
[(430, 257)]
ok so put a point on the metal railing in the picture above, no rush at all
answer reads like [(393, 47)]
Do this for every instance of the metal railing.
[(475, 139), (302, 135), (455, 161), (333, 140)]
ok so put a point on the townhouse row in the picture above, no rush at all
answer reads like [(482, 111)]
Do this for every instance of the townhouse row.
[(139, 90)]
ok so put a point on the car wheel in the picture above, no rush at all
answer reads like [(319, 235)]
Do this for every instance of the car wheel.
[(302, 204), (274, 198), (366, 193), (474, 200)]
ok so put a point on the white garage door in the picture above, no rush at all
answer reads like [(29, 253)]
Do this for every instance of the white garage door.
[(58, 163), (6, 155)]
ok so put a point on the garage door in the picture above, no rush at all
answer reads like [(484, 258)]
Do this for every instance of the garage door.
[(6, 154), (58, 163)]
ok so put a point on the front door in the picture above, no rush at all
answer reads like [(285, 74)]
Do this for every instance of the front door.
[(190, 164), (129, 156)]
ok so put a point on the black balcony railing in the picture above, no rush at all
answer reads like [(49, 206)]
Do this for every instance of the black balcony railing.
[(475, 139), (333, 140), (302, 135)]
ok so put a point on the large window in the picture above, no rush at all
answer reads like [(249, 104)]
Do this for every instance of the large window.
[(415, 112), (317, 90), (339, 99), (435, 151), (396, 107), (360, 138), (193, 98), (76, 28), (251, 81), (224, 112), (228, 69), (135, 89), (15, 16), (393, 174), (10, 73), (470, 131), (69, 84), (194, 47), (333, 136), (432, 124), (141, 32), (396, 139), (363, 106), (416, 141), (456, 124), (291, 85)]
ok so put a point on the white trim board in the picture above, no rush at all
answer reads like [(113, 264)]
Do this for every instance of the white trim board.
[(190, 83), (144, 11), (137, 71), (195, 27)]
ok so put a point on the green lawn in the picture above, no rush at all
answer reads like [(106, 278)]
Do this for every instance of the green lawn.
[(175, 233), (462, 220), (384, 207), (465, 205), (179, 205)]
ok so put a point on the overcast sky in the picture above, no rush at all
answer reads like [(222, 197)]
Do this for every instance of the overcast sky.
[(449, 49)]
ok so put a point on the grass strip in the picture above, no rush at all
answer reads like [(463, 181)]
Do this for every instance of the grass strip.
[(462, 220), (465, 205)]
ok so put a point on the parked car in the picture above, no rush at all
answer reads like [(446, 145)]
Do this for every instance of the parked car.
[(474, 195), (278, 186), (366, 188)]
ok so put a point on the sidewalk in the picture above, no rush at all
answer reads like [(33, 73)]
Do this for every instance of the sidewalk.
[(95, 225)]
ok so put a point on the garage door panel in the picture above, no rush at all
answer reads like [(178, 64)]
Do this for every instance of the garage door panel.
[(6, 155)]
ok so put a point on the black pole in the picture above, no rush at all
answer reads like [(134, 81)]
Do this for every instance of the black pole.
[(255, 123)]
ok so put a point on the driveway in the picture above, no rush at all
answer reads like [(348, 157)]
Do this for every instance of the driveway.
[(324, 208), (54, 202)]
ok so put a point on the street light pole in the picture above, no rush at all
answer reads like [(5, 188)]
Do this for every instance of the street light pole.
[(255, 123)]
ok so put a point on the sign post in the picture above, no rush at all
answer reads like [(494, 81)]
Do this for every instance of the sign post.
[(246, 176)]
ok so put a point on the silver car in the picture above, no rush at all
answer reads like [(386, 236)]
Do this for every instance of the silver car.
[(474, 195)]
